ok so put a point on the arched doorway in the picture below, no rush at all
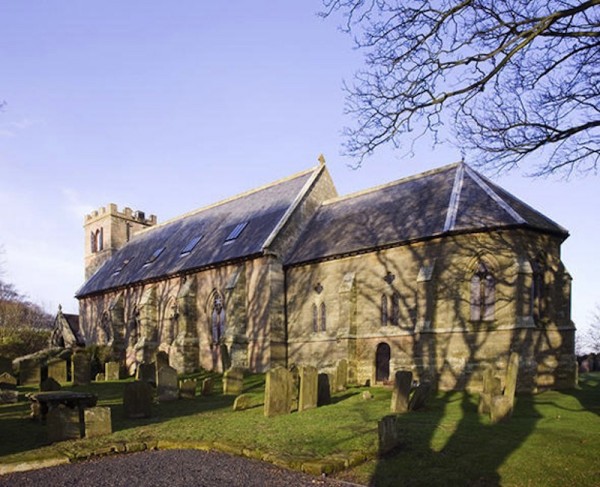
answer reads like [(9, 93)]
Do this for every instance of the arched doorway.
[(382, 362)]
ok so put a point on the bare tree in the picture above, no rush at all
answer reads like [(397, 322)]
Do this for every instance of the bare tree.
[(513, 77), (589, 341)]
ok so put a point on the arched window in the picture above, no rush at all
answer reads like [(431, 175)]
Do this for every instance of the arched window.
[(93, 243), (395, 318), (100, 234), (218, 317), (483, 294), (537, 291), (384, 310), (323, 317), (315, 318)]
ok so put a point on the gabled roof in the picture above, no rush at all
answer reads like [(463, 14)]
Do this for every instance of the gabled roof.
[(255, 216), (451, 199)]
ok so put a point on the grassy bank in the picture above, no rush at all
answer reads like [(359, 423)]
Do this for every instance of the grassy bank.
[(552, 438)]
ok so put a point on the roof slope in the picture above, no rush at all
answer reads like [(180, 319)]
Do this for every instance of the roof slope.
[(264, 209), (450, 199)]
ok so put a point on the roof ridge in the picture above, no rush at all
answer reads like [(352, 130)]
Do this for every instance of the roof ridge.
[(379, 187), (228, 200)]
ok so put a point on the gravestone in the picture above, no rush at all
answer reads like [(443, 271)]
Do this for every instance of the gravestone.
[(389, 434), (146, 372), (97, 421), (6, 365), (366, 395), (419, 396), (100, 377), (323, 390), (401, 391), (491, 387), (62, 423), (137, 400), (167, 386), (29, 372), (278, 392), (341, 375), (207, 386), (233, 381), (295, 385), (187, 389), (162, 360), (502, 406), (8, 389), (243, 401), (57, 369), (49, 385), (82, 369), (112, 371), (308, 387)]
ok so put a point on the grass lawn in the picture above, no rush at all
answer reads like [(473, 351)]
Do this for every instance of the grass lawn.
[(552, 439)]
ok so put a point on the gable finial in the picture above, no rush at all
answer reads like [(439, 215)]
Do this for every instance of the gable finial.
[(321, 159), (60, 308)]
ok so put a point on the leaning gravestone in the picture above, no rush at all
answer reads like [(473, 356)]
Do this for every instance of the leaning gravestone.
[(137, 400), (29, 372), (49, 385), (146, 373), (341, 375), (111, 370), (187, 389), (62, 423), (419, 396), (97, 421), (243, 401), (82, 369), (207, 386), (308, 387), (57, 369), (8, 389), (233, 381), (389, 434), (167, 386), (401, 391), (278, 392), (323, 390)]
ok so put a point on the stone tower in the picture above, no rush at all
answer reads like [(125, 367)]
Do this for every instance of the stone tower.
[(107, 230)]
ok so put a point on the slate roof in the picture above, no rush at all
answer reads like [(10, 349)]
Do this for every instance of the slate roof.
[(451, 199), (265, 209)]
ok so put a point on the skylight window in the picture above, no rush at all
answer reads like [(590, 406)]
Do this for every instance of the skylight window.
[(122, 266), (235, 233), (191, 245), (155, 256)]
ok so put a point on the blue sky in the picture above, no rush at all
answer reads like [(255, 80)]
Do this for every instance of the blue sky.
[(168, 106)]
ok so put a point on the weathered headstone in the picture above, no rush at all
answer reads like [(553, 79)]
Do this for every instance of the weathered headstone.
[(295, 385), (29, 372), (233, 381), (502, 406), (243, 401), (137, 400), (308, 387), (49, 385), (100, 377), (162, 360), (112, 370), (82, 369), (187, 389), (146, 372), (8, 389), (6, 365), (341, 375), (419, 397), (323, 390), (366, 395), (207, 386), (167, 387), (57, 369), (491, 387), (401, 391), (97, 422), (62, 423), (278, 392), (389, 434)]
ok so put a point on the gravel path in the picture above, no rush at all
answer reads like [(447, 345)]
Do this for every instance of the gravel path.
[(170, 468)]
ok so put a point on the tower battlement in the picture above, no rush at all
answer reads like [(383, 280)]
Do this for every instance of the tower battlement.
[(127, 214)]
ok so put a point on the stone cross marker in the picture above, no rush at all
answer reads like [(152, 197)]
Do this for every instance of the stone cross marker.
[(323, 390), (167, 387), (111, 370), (137, 400), (82, 370), (401, 391), (308, 388), (278, 392), (57, 369), (233, 381)]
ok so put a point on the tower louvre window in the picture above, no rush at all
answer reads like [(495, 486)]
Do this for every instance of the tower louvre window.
[(191, 245), (155, 256), (237, 230)]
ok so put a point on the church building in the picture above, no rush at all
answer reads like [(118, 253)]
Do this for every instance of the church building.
[(442, 273)]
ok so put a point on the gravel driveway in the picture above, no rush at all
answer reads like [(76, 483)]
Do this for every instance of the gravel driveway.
[(170, 468)]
